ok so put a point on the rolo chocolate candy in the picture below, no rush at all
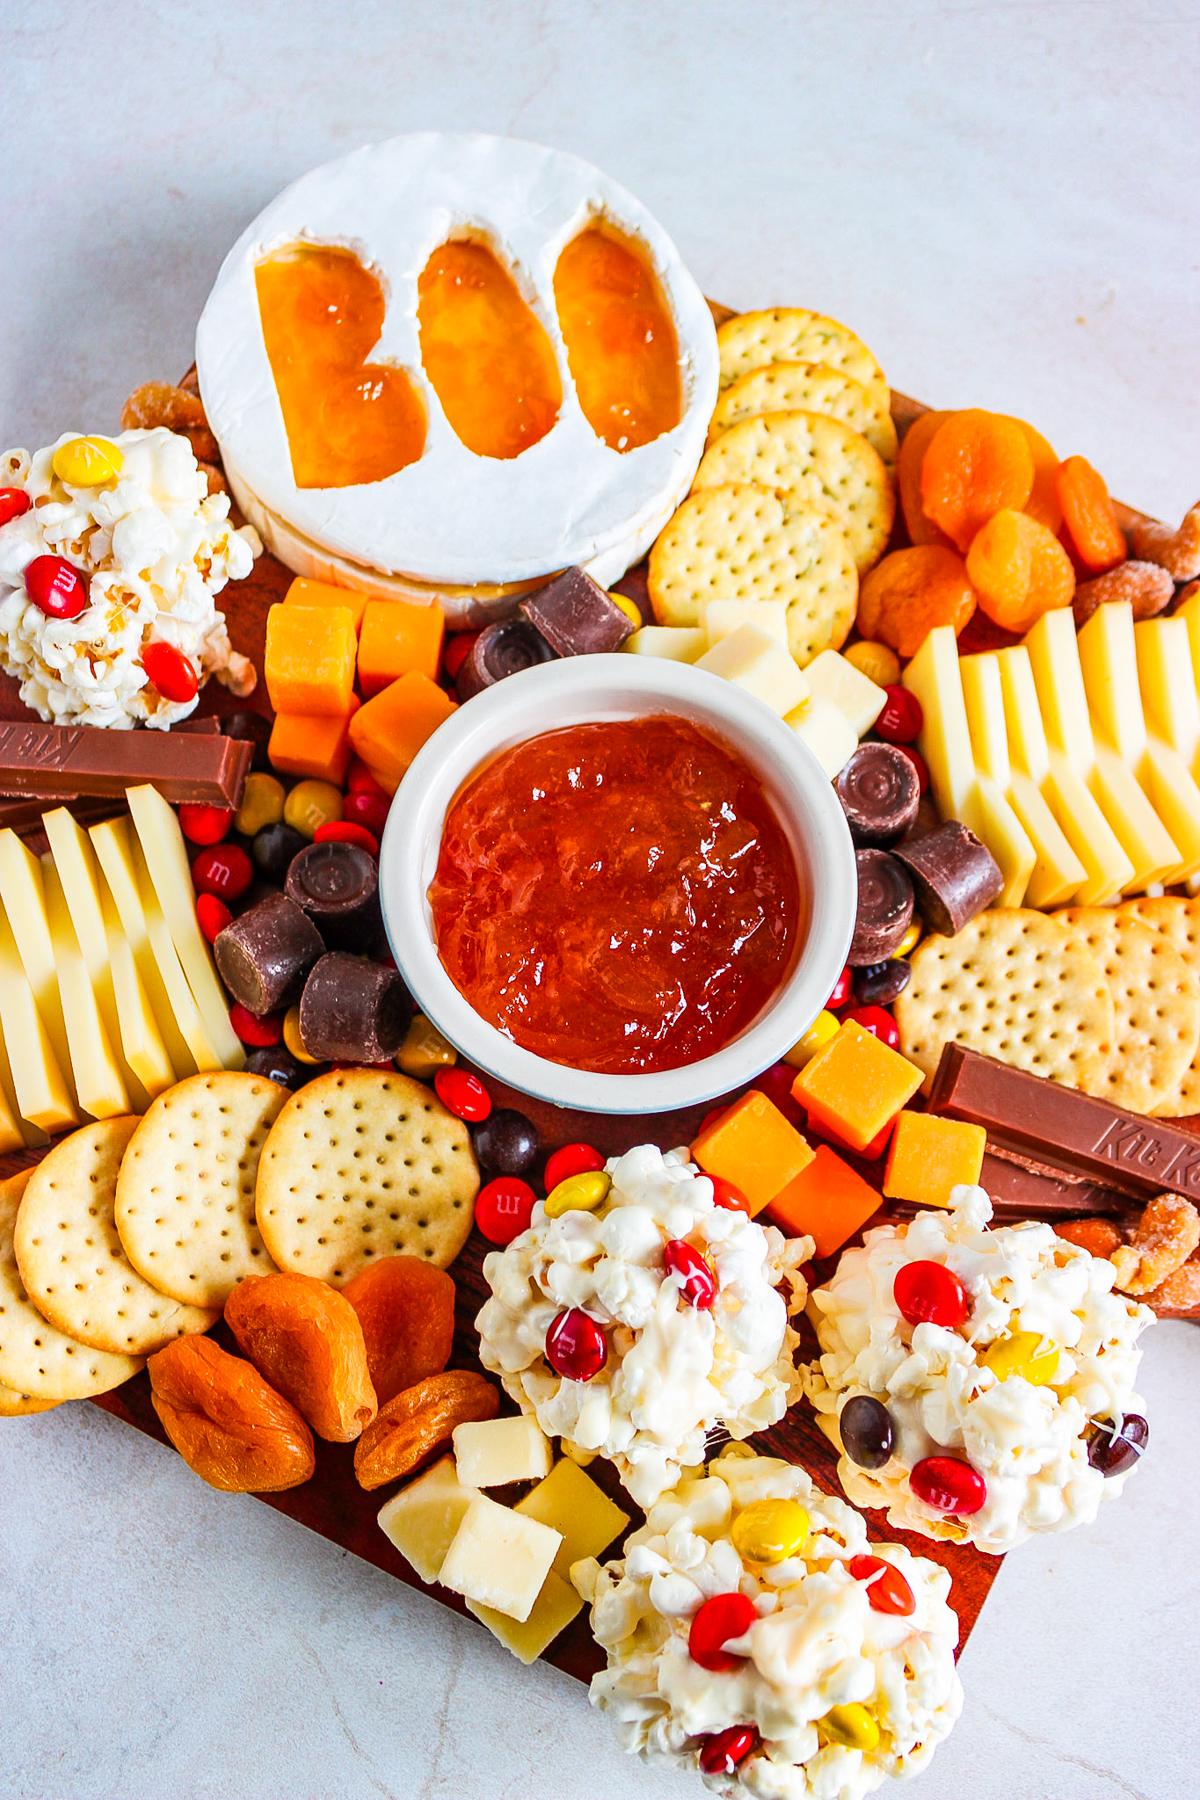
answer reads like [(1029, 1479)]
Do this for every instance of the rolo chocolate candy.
[(500, 650), (354, 1011), (885, 907), (880, 794), (955, 876), (337, 884), (265, 954)]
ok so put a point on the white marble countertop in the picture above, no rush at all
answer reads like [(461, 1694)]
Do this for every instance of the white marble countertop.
[(1003, 201)]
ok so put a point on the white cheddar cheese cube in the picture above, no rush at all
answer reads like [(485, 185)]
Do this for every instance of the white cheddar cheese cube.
[(570, 1502), (97, 1078), (41, 1088), (721, 618), (24, 899), (827, 731), (553, 1610), (831, 677), (751, 659), (679, 643), (1168, 684), (423, 1518), (113, 842), (165, 851), (500, 1558), (491, 1452)]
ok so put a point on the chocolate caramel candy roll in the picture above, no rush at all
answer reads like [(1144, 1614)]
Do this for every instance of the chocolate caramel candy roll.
[(954, 875), (354, 1011), (885, 907), (880, 794), (266, 953), (337, 885), (500, 650)]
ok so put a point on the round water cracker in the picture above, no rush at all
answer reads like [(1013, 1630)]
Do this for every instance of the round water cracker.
[(743, 542), (362, 1164), (36, 1359), (1156, 1006), (1177, 920), (18, 1406), (185, 1191), (818, 459), (1016, 985), (70, 1256), (807, 387), (793, 334)]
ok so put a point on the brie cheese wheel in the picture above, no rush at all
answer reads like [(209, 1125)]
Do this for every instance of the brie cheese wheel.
[(453, 518)]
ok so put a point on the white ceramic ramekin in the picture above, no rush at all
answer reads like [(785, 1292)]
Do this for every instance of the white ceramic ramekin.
[(575, 691)]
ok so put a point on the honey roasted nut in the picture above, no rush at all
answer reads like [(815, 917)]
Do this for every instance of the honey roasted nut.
[(160, 403), (1099, 1237), (419, 1423), (1146, 586), (226, 1422), (1178, 552), (1166, 1234), (305, 1339)]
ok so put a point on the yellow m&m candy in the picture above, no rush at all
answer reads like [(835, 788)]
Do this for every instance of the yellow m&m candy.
[(851, 1725), (823, 1027), (578, 1193), (1019, 1354), (876, 661), (629, 608), (87, 462), (769, 1531)]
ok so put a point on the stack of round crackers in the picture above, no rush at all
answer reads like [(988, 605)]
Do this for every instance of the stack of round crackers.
[(132, 1232), (1104, 999), (794, 498)]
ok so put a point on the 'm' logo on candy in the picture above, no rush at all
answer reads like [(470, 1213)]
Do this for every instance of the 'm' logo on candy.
[(38, 748), (1128, 1144)]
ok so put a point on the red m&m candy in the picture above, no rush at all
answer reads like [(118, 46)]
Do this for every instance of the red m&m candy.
[(359, 780), (260, 1030), (919, 764), (698, 1283), (224, 870), (343, 831), (888, 1592), (721, 1753), (572, 1159), (843, 987), (901, 720), (170, 671), (880, 1024), (728, 1196), (212, 915), (463, 1094), (928, 1293), (503, 1208), (54, 585), (723, 1617), (204, 824), (949, 1485), (13, 502), (575, 1346), (457, 650), (369, 810)]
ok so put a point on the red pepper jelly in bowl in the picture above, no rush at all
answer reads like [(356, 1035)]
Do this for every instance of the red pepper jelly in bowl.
[(617, 896)]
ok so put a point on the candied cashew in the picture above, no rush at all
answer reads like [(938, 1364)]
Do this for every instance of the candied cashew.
[(1179, 1293), (1166, 1234), (1145, 585), (1178, 552)]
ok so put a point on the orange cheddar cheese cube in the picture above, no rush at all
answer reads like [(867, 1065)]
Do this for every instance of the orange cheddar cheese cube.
[(305, 744), (397, 638), (390, 728), (826, 1201), (930, 1155), (752, 1145), (855, 1085), (322, 593), (309, 659)]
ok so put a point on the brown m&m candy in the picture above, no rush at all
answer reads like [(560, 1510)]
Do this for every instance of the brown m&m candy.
[(265, 954), (880, 793), (337, 884), (500, 650), (955, 876), (885, 907), (576, 616), (354, 1011)]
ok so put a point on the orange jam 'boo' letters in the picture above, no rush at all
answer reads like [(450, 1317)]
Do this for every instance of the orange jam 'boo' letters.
[(621, 344), (348, 421)]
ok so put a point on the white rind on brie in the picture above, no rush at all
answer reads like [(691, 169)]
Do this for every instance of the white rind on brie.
[(453, 516)]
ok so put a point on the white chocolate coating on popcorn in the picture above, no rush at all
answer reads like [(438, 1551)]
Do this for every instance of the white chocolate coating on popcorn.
[(817, 1643), (154, 547), (1028, 1442), (673, 1371)]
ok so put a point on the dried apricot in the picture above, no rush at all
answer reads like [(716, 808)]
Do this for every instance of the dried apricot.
[(976, 463), (921, 529), (419, 1422), (1089, 515), (406, 1309), (1099, 1237), (911, 591), (1019, 570), (1043, 503), (226, 1422), (306, 1340)]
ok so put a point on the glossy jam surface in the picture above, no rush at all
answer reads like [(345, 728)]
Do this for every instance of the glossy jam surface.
[(621, 344), (487, 355), (348, 421), (616, 897)]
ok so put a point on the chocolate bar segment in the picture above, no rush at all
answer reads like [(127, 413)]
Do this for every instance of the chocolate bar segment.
[(45, 762), (1060, 1129), (1020, 1188), (576, 616)]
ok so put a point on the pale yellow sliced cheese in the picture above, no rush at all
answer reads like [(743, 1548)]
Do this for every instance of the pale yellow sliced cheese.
[(678, 643), (165, 851), (1029, 755), (1176, 797), (755, 661), (1167, 680), (1189, 612), (1057, 873), (29, 1136), (42, 1091), (113, 841), (141, 1039), (23, 897), (98, 1081), (556, 1605), (180, 998)]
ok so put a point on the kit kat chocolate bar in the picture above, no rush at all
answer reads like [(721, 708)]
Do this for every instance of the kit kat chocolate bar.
[(52, 762), (1056, 1128)]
